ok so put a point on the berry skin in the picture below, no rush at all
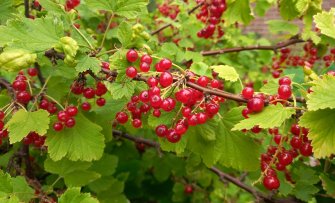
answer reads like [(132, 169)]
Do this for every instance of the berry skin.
[(19, 85), (70, 122), (285, 81), (161, 130), (188, 189), (32, 72), (255, 104), (156, 113), (201, 117), (186, 111), (152, 82), (203, 81), (245, 112), (105, 65), (121, 117), (172, 136), (256, 129), (155, 101), (131, 72), (72, 110), (165, 64), (146, 59), (285, 158), (23, 97), (137, 123), (248, 92), (165, 79), (215, 83), (192, 120), (296, 142), (295, 129), (101, 101), (306, 149), (271, 182), (86, 106), (2, 115), (58, 126), (89, 93), (144, 67), (144, 96), (132, 55), (62, 116), (284, 91)]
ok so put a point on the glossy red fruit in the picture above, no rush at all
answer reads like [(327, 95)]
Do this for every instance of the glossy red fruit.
[(58, 126), (215, 83), (295, 129), (146, 59), (186, 111), (152, 82), (284, 92), (201, 117), (285, 158), (70, 122), (245, 112), (105, 65), (306, 149), (144, 67), (19, 85), (131, 72), (255, 104), (192, 120), (137, 123), (165, 79), (72, 110), (86, 106), (101, 101), (188, 189), (203, 81), (165, 64), (271, 182), (161, 130), (256, 129), (62, 116), (277, 138), (155, 101), (23, 97), (296, 142), (180, 128), (144, 96), (172, 136), (156, 113), (89, 93), (121, 117), (248, 92), (32, 72), (132, 55), (285, 81)]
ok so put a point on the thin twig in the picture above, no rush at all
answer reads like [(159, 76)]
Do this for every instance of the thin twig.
[(26, 8)]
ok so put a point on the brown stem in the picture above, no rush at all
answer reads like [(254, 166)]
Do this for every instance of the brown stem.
[(39, 74), (4, 83), (169, 24), (258, 47), (26, 8)]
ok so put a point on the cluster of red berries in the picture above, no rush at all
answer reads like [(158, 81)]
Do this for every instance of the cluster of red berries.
[(210, 14), (71, 4), (3, 132), (279, 158), (35, 139), (197, 108), (47, 105), (20, 85), (66, 117), (36, 4), (330, 58), (168, 10), (78, 88)]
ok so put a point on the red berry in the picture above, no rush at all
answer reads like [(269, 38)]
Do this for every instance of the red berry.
[(215, 83), (62, 116), (285, 158), (72, 110), (161, 130), (285, 81), (203, 81), (180, 128), (146, 59), (186, 111), (152, 82), (255, 104), (32, 72), (2, 115), (256, 129), (89, 93), (23, 97), (70, 122), (155, 101), (306, 149), (86, 106), (58, 126), (156, 113), (165, 79), (168, 104), (248, 92), (144, 96), (144, 67), (188, 189), (131, 72), (165, 64), (19, 85), (271, 182), (137, 123), (245, 112), (295, 129), (121, 117), (277, 138), (192, 120), (284, 92), (132, 55), (201, 117), (105, 65), (172, 136), (101, 101), (296, 142)]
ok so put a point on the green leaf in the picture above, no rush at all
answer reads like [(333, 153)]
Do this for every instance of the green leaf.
[(262, 7), (6, 10), (125, 34), (276, 27), (73, 195), (201, 68), (328, 185), (121, 90), (272, 116), (238, 11), (82, 142), (22, 33), (16, 189), (239, 150), (23, 122), (207, 130), (290, 9), (304, 187), (88, 63), (106, 165), (226, 72), (325, 21), (322, 95), (126, 8), (321, 125)]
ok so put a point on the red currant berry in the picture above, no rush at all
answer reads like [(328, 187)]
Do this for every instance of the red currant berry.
[(23, 97), (101, 101), (58, 126), (62, 116), (161, 130), (245, 112), (144, 67), (203, 81), (32, 72), (172, 136), (248, 92), (155, 101), (188, 189), (89, 93), (2, 115), (132, 55), (146, 59), (295, 129), (156, 113), (165, 64), (121, 117), (285, 158), (86, 106), (19, 85), (152, 82), (271, 182), (144, 96), (306, 149), (105, 65), (165, 79), (186, 111), (137, 123), (72, 110), (285, 81), (255, 104), (131, 72), (70, 122), (284, 92), (296, 142)]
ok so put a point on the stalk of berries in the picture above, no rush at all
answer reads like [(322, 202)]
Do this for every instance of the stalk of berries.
[(34, 139), (71, 4), (168, 10), (196, 108), (210, 14)]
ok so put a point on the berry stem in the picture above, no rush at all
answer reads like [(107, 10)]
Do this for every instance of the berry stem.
[(54, 100), (83, 36), (106, 31)]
